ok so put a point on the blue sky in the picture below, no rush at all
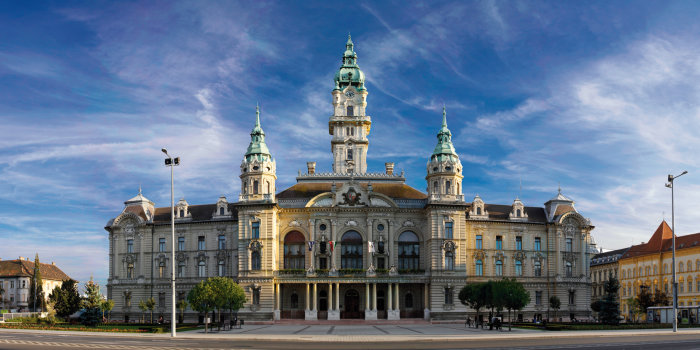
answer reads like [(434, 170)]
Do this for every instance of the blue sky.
[(600, 97)]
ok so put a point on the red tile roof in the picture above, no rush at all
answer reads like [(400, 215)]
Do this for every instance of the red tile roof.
[(661, 241), (25, 268)]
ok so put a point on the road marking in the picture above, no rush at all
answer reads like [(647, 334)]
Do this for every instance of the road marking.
[(93, 345)]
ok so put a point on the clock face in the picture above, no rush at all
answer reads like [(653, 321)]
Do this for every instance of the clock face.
[(349, 94)]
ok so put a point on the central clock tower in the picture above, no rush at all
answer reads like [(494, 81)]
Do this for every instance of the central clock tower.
[(349, 125)]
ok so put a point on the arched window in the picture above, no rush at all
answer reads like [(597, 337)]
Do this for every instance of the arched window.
[(479, 268), (449, 260), (294, 300), (202, 269), (436, 188), (680, 267), (221, 211), (350, 111), (408, 301), (689, 266), (538, 269), (409, 251), (518, 213), (182, 213), (268, 187), (569, 271), (447, 187), (499, 268), (665, 268), (245, 187), (255, 260), (294, 250), (255, 187), (478, 210), (518, 268), (351, 250)]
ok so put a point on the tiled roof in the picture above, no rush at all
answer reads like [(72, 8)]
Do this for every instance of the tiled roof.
[(392, 190), (25, 268), (200, 212), (502, 212), (661, 241), (608, 257)]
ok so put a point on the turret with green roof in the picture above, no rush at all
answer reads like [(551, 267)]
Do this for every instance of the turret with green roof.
[(349, 73), (444, 149), (257, 149)]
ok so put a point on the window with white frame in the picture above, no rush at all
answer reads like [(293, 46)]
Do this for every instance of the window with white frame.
[(448, 229)]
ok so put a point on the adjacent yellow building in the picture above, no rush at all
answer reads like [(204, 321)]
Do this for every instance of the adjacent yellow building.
[(649, 265)]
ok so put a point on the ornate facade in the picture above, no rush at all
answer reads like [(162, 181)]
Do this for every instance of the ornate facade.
[(352, 243)]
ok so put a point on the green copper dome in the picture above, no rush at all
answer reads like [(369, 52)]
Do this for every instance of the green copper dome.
[(444, 149), (257, 149), (349, 73)]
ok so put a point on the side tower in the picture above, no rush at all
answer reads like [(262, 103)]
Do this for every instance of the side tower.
[(349, 125), (444, 168), (258, 167)]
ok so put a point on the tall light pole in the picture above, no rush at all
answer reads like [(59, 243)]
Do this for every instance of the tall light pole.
[(673, 257), (172, 162)]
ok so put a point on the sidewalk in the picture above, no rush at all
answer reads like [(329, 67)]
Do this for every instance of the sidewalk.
[(367, 333)]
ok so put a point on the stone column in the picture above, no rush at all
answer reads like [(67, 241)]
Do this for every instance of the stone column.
[(307, 297), (396, 297), (278, 306), (426, 302), (310, 314), (390, 295), (374, 297), (393, 313), (330, 296), (333, 307), (366, 297), (312, 223), (337, 296), (315, 297)]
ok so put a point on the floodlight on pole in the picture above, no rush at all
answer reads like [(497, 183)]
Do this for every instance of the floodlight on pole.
[(673, 256), (172, 162)]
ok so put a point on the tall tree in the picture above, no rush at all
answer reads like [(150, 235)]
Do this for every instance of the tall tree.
[(143, 307), (150, 306), (106, 306), (66, 298), (91, 303), (471, 296), (201, 298), (609, 305), (661, 298), (634, 308), (182, 305), (516, 297), (36, 289), (554, 303)]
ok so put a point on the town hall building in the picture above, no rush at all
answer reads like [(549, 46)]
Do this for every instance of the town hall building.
[(352, 243)]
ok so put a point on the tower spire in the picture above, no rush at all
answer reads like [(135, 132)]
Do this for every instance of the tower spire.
[(257, 148), (444, 147), (257, 115), (444, 116)]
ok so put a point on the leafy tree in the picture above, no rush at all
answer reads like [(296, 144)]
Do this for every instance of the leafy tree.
[(182, 305), (645, 299), (107, 306), (661, 298), (634, 308), (554, 303), (597, 305), (66, 298), (91, 303), (609, 306), (150, 306), (471, 296), (143, 307), (201, 298), (36, 289), (515, 296)]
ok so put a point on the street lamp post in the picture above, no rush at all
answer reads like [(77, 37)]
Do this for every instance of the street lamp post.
[(673, 256), (172, 162)]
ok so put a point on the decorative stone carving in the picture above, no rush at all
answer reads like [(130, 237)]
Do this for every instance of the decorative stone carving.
[(351, 223), (294, 223), (180, 256), (352, 198), (519, 256), (409, 223), (255, 246)]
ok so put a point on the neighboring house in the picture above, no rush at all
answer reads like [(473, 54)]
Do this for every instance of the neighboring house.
[(16, 278), (351, 243), (603, 266), (648, 265)]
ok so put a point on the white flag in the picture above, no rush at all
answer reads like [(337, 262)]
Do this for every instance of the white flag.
[(370, 246)]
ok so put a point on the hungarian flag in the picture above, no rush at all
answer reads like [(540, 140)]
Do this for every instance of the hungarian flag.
[(332, 245), (370, 246), (311, 245)]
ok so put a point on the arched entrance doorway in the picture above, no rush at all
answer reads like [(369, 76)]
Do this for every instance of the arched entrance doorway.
[(352, 305)]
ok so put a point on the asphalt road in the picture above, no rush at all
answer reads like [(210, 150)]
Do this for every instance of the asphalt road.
[(9, 340)]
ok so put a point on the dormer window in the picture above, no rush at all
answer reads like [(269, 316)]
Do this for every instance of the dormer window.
[(478, 211), (350, 111), (182, 213)]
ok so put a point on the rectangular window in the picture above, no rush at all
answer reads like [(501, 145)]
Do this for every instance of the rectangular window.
[(161, 270), (448, 230), (572, 297), (322, 263), (448, 296), (181, 243), (569, 245), (447, 187), (538, 297), (499, 268), (479, 268), (201, 244), (222, 242), (181, 269), (202, 269), (518, 243), (161, 244), (256, 296), (350, 154), (221, 268), (538, 245), (380, 263), (161, 300), (129, 245), (256, 230), (12, 284), (499, 242), (478, 242), (518, 268)]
